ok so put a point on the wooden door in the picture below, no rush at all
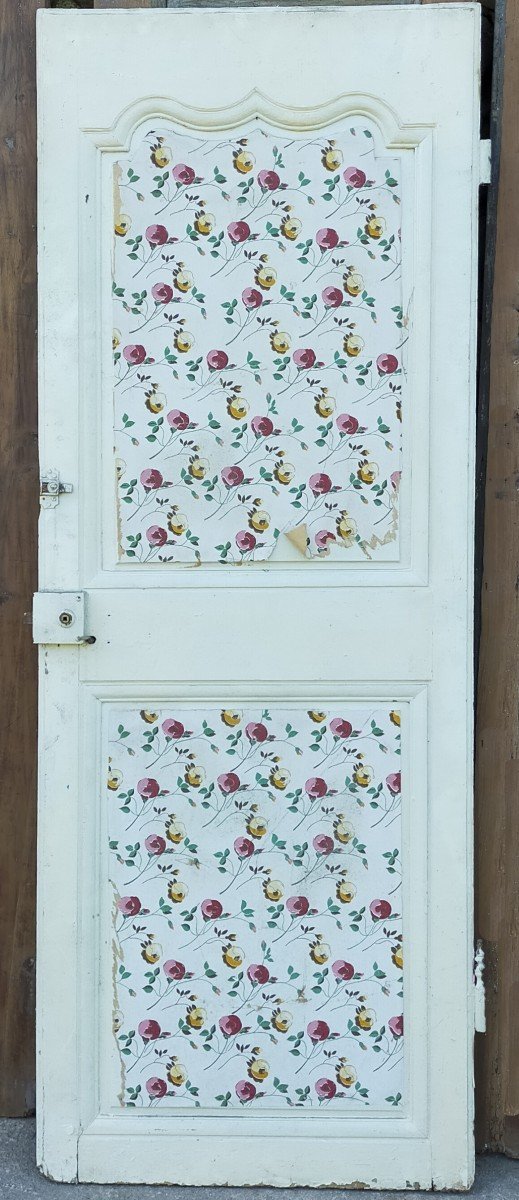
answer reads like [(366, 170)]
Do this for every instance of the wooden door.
[(257, 378)]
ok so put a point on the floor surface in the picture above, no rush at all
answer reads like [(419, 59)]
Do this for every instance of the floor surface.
[(497, 1178)]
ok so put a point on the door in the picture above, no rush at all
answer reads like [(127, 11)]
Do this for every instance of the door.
[(257, 256)]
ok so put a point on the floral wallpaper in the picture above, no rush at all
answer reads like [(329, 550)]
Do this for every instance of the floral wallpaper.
[(259, 334), (256, 870)]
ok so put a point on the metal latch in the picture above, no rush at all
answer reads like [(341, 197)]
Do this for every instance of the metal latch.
[(480, 1023), (51, 488), (58, 619)]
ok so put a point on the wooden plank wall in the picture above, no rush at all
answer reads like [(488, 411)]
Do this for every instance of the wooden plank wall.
[(497, 768)]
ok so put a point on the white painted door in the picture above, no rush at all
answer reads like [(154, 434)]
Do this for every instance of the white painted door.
[(258, 245)]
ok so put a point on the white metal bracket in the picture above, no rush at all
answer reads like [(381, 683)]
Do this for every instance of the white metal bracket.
[(58, 619), (485, 160), (480, 1023), (51, 488)]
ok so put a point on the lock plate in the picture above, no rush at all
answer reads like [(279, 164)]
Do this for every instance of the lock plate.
[(58, 618)]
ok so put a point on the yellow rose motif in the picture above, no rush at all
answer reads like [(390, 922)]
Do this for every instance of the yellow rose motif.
[(284, 472), (243, 161), (346, 1074), (232, 956), (231, 717), (346, 529), (365, 1018), (258, 1069), (290, 228), (280, 342), (176, 1073), (183, 341), (374, 227), (195, 1017), (331, 158), (204, 223), (272, 889), (194, 776), (237, 408), (161, 156), (177, 891), (353, 345), (123, 224), (367, 472), (363, 775)]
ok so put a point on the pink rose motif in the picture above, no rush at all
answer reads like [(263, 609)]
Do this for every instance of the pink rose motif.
[(387, 364), (393, 783), (230, 1025), (183, 174), (211, 909), (157, 235), (354, 177), (238, 231), (323, 537), (332, 297), (245, 540), (396, 1025), (232, 476), (156, 1087), (229, 782), (129, 906), (162, 293), (318, 1031), (217, 360), (320, 484), (173, 969), (148, 788), (347, 424), (395, 480), (156, 535), (343, 970), (151, 479), (252, 298), (243, 847), (256, 731), (304, 359), (173, 729), (298, 906), (316, 787), (258, 973), (322, 844), (327, 239), (245, 1090), (149, 1030), (155, 844), (325, 1089), (341, 728), (262, 426), (268, 181), (177, 419), (380, 910), (134, 355)]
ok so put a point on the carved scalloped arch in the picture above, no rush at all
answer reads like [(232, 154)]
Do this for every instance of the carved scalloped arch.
[(395, 133)]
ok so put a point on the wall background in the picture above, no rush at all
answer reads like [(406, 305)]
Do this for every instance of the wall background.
[(497, 559)]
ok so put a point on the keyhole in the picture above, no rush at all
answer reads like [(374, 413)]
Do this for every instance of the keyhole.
[(66, 619)]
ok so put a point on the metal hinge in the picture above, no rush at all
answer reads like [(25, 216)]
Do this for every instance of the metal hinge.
[(485, 160), (51, 488), (58, 619), (480, 1023)]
